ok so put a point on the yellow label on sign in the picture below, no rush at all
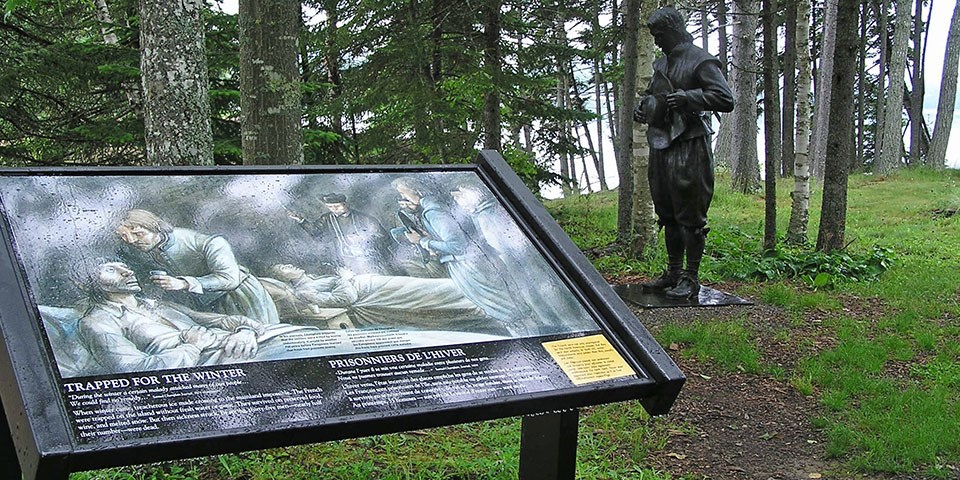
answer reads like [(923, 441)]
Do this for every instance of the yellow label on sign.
[(588, 359)]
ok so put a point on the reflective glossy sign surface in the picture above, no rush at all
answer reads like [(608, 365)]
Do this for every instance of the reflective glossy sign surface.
[(178, 304)]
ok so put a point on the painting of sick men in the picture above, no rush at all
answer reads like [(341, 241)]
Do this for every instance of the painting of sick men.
[(151, 272)]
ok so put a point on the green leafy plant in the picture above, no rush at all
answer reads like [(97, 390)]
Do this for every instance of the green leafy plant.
[(818, 269)]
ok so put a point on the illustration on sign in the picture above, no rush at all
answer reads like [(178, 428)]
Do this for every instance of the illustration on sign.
[(171, 272), (412, 287)]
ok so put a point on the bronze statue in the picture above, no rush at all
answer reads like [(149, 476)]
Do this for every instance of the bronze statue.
[(687, 82)]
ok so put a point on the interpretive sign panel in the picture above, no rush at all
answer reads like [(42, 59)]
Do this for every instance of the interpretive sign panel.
[(152, 307)]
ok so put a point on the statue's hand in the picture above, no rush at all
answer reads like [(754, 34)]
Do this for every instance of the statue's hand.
[(639, 115), (678, 100)]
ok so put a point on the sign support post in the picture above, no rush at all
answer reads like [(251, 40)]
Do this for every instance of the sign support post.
[(9, 464), (548, 446)]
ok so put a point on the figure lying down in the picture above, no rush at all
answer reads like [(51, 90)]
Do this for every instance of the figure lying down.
[(383, 300), (124, 332)]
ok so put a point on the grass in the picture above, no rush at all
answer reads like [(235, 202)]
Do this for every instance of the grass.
[(613, 442), (888, 384), (726, 345), (894, 369)]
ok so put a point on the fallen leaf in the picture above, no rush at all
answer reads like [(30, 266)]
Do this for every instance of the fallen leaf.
[(676, 455), (705, 377), (674, 347), (815, 475)]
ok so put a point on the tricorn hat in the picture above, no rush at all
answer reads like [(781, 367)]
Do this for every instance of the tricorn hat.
[(333, 198), (664, 125)]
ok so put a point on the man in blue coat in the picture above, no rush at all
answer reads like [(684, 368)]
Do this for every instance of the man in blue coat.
[(479, 274)]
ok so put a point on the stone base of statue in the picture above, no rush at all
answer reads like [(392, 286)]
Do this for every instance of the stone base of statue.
[(708, 297)]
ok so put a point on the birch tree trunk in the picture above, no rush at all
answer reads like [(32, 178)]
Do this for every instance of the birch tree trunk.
[(833, 212), (800, 205), (948, 95), (746, 169), (270, 103), (889, 158), (173, 69), (644, 222)]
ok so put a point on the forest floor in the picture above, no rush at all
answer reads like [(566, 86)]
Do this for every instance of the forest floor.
[(742, 425)]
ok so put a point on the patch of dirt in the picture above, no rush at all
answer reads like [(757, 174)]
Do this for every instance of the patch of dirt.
[(744, 426)]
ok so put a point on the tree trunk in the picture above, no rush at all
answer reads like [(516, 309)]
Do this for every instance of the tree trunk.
[(916, 95), (705, 28), (130, 89), (598, 56), (564, 156), (577, 137), (723, 152), (173, 68), (746, 169), (722, 35), (771, 123), (881, 9), (614, 92), (643, 240), (889, 158), (824, 92), (948, 95), (800, 205), (789, 87), (859, 160), (598, 105), (270, 103), (833, 212), (492, 62), (628, 99), (595, 153), (333, 55)]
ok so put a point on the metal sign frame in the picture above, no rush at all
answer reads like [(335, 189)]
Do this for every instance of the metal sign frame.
[(47, 445)]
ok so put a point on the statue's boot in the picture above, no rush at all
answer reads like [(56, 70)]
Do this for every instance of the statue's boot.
[(694, 240), (668, 279), (687, 287), (673, 237)]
